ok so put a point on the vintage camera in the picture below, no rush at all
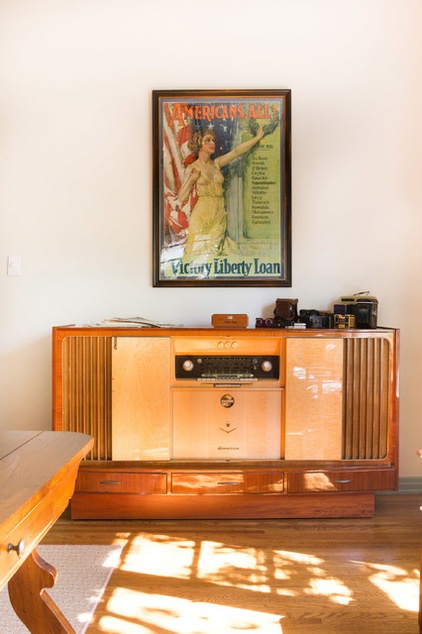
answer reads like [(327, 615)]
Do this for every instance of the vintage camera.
[(362, 306), (313, 318), (285, 312), (285, 315), (344, 321), (268, 322)]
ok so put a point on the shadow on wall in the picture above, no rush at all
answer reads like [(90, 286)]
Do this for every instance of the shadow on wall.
[(25, 386)]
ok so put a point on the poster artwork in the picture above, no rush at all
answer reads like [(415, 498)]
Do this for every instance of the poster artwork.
[(223, 190)]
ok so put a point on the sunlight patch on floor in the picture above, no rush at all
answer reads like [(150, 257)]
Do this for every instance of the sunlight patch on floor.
[(396, 583), (160, 556), (333, 589), (214, 569), (231, 566), (132, 612)]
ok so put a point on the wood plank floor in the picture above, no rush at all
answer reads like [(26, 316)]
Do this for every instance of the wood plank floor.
[(336, 576)]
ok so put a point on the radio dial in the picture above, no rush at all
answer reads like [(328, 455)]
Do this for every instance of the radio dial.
[(187, 365), (266, 366)]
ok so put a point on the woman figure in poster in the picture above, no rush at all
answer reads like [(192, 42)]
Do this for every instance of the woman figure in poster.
[(206, 234)]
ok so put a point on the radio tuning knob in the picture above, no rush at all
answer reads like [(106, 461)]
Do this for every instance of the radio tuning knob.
[(266, 366), (187, 365)]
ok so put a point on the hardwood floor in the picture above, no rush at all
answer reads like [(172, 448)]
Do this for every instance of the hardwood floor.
[(336, 576)]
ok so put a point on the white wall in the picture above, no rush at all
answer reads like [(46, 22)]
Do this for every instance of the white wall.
[(75, 166)]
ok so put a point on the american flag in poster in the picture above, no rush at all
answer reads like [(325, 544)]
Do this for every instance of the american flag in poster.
[(176, 156)]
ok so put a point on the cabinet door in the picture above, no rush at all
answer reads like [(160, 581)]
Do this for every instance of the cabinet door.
[(141, 398), (214, 423), (314, 386)]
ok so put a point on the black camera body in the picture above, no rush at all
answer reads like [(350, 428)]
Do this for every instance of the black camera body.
[(313, 318), (363, 307)]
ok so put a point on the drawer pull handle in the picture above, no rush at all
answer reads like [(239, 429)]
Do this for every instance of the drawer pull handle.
[(110, 482), (229, 482), (343, 481), (19, 548)]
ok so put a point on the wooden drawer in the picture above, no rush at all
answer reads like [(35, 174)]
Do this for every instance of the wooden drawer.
[(121, 482), (28, 533), (227, 482), (31, 530), (345, 480)]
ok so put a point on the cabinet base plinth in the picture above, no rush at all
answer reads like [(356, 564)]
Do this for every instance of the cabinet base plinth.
[(150, 507)]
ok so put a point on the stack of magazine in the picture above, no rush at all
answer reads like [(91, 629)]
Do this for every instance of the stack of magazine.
[(133, 322)]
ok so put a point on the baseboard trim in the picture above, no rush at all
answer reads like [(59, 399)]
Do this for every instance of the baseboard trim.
[(410, 485)]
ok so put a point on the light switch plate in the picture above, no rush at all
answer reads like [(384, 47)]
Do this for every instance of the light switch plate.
[(14, 265)]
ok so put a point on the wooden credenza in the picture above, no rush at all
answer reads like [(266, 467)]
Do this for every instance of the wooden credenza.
[(311, 433)]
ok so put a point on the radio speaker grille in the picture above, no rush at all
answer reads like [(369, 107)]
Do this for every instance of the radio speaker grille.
[(87, 391), (366, 399)]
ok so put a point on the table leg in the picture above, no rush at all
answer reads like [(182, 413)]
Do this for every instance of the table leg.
[(35, 608)]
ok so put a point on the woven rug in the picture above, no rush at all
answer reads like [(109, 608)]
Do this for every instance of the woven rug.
[(83, 574)]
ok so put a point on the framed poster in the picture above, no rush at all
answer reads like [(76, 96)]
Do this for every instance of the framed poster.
[(222, 187)]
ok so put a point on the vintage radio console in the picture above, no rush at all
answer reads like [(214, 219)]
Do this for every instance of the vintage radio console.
[(212, 419), (232, 369), (205, 423)]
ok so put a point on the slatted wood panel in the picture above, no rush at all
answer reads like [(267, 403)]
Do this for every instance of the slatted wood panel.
[(366, 398), (87, 391)]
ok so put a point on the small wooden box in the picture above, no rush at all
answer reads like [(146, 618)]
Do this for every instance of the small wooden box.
[(229, 321)]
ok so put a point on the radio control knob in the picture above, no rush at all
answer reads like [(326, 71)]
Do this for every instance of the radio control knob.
[(187, 365), (266, 366)]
